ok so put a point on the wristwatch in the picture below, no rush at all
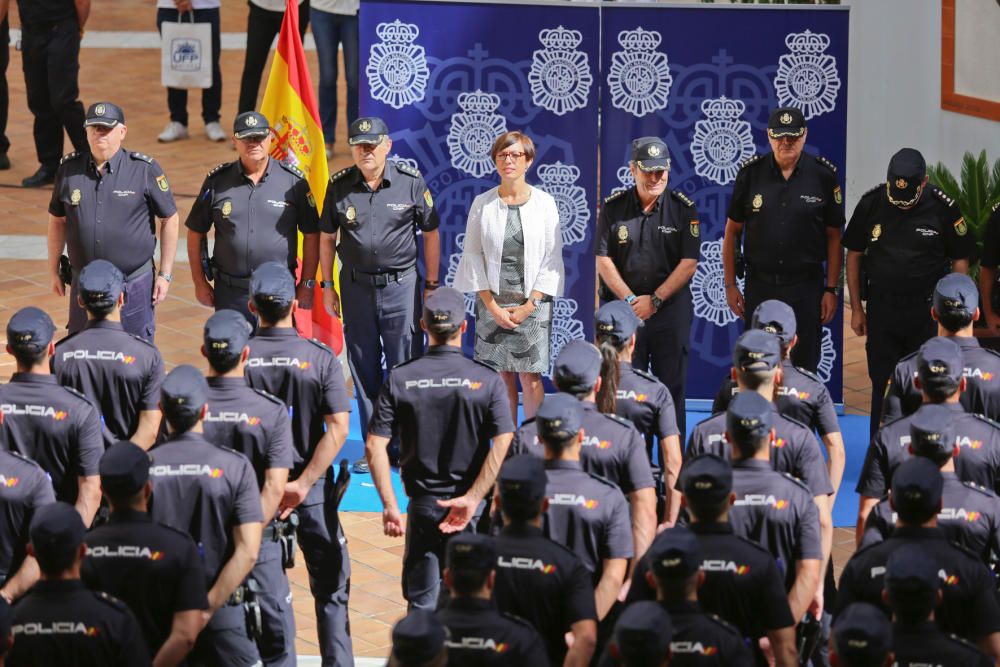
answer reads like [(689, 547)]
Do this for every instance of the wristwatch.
[(326, 283), (166, 276), (630, 299), (657, 301), (311, 283), (832, 290)]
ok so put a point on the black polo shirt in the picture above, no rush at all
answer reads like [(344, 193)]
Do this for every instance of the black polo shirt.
[(785, 222), (480, 636), (647, 246), (117, 371), (907, 251), (57, 427), (445, 409), (304, 374), (378, 229), (704, 639), (982, 377), (991, 242), (45, 11), (24, 488), (250, 421), (156, 570), (643, 400), (111, 214), (205, 491), (254, 223), (924, 644)]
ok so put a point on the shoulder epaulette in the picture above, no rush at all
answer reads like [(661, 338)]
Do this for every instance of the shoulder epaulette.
[(798, 481), (911, 355), (809, 374), (269, 396), (143, 341), (966, 550), (614, 195), (826, 163), (750, 160), (604, 480), (940, 194), (620, 420), (292, 168), (795, 421), (991, 351), (218, 168), (723, 623), (67, 337), (136, 155), (76, 392), (24, 458), (962, 641), (980, 488), (404, 168), (70, 156), (646, 374), (682, 198), (996, 207), (110, 600), (984, 419), (340, 174), (756, 545), (514, 618), (321, 345)]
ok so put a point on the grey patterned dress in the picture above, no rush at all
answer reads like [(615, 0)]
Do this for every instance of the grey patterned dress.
[(524, 349)]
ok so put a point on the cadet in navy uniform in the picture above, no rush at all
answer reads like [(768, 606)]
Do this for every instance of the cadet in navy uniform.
[(742, 583), (970, 514), (371, 217), (637, 395), (25, 489), (647, 247), (418, 641), (612, 448), (257, 205), (790, 205), (801, 395), (988, 268), (862, 637), (256, 424), (57, 427), (586, 513), (905, 236), (104, 205), (156, 570), (977, 438), (537, 579), (956, 307), (307, 376), (477, 629), (641, 638), (210, 493), (60, 622), (119, 372), (452, 417)]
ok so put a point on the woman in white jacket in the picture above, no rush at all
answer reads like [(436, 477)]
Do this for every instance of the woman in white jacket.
[(512, 258)]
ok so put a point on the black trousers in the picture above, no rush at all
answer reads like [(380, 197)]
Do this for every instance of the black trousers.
[(211, 98), (4, 92), (51, 62), (262, 26), (805, 298), (661, 347)]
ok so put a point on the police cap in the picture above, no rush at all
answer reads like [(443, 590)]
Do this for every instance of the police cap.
[(522, 479), (749, 418), (675, 554), (917, 486), (932, 432), (272, 282), (56, 529), (367, 130), (251, 124), (707, 480), (756, 350), (862, 635), (471, 552), (105, 114), (775, 317), (905, 175), (911, 578), (642, 634), (786, 122), (100, 284), (577, 367), (444, 309), (939, 364), (956, 293), (30, 330), (184, 392), (616, 318), (650, 154), (559, 418), (226, 334), (124, 469), (418, 637)]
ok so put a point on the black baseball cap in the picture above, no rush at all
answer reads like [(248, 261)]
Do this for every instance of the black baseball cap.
[(917, 486), (932, 432), (912, 580), (184, 392), (940, 365), (674, 554), (251, 124), (642, 635), (522, 480), (100, 283), (577, 367), (905, 175), (56, 529), (786, 122), (367, 130), (775, 317), (956, 293), (272, 282), (226, 333), (756, 350), (706, 480), (559, 418), (418, 637), (124, 469), (650, 154), (862, 635), (749, 418), (105, 114), (616, 318), (471, 552), (444, 309), (30, 330)]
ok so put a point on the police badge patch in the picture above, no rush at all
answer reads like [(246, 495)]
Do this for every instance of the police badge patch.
[(758, 202), (227, 208), (351, 214), (75, 196), (960, 227), (622, 234), (161, 182), (428, 199)]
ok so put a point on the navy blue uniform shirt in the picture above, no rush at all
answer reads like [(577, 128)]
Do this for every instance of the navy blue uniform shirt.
[(24, 488), (481, 636)]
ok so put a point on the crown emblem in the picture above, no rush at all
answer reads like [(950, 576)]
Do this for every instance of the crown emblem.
[(786, 118), (901, 183), (479, 102), (364, 126), (723, 108), (749, 422), (558, 173), (99, 109), (639, 39), (556, 423), (397, 32), (250, 121), (560, 38), (807, 42), (654, 151)]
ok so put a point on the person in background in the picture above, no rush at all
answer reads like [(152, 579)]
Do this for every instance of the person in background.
[(335, 27), (263, 24)]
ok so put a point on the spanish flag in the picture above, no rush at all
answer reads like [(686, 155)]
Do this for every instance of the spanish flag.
[(290, 107)]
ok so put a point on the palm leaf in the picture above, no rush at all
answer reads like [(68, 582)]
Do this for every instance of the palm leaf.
[(942, 177)]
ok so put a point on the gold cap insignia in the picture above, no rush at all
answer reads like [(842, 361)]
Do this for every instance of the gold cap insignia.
[(755, 355), (555, 423), (653, 150), (227, 208), (901, 183), (938, 369), (749, 422), (99, 109), (250, 121), (786, 118), (703, 485), (364, 126)]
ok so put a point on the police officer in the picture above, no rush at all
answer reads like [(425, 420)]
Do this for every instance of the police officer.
[(638, 396), (861, 638), (906, 235), (60, 622), (970, 514), (913, 588), (988, 267), (372, 214), (156, 570), (537, 579), (25, 490), (939, 373), (119, 372), (612, 448), (647, 246), (418, 641), (104, 204), (956, 307), (210, 493), (452, 417), (256, 424), (641, 638), (969, 605), (790, 204), (477, 629), (586, 513), (801, 394), (257, 205), (57, 427), (307, 376)]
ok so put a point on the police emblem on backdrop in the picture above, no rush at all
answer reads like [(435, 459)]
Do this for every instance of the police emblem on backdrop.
[(708, 286), (721, 142), (559, 180), (75, 196), (757, 203), (397, 68), (807, 77), (472, 132), (827, 356), (560, 75), (565, 327), (625, 178), (639, 77)]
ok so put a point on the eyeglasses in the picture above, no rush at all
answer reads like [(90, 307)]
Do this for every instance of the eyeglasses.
[(510, 155)]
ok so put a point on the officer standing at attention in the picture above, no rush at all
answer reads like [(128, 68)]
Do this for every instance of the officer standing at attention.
[(647, 246), (956, 307), (452, 417), (969, 604), (210, 493), (307, 376), (56, 427), (119, 372), (19, 501), (372, 214), (537, 579), (255, 424), (861, 638), (257, 205), (790, 204), (905, 237), (156, 570), (104, 631), (477, 629), (104, 205), (641, 638)]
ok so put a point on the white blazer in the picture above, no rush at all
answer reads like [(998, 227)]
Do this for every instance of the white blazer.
[(479, 268)]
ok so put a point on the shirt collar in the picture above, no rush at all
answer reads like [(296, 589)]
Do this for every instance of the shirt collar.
[(559, 464), (954, 407), (58, 586), (103, 324), (776, 169), (753, 464), (638, 202), (263, 177), (966, 342), (130, 516), (522, 530), (711, 528), (442, 349), (359, 178), (37, 378), (277, 332), (470, 604), (917, 532), (187, 437), (219, 382), (112, 164), (681, 607)]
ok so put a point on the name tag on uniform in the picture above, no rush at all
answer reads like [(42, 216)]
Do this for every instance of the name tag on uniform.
[(399, 207), (925, 231), (123, 193), (277, 204), (812, 199), (666, 230)]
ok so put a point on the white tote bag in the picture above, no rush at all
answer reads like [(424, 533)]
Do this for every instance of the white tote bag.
[(186, 53)]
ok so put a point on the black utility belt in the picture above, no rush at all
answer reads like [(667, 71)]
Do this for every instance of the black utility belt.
[(785, 277), (232, 280), (383, 278)]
